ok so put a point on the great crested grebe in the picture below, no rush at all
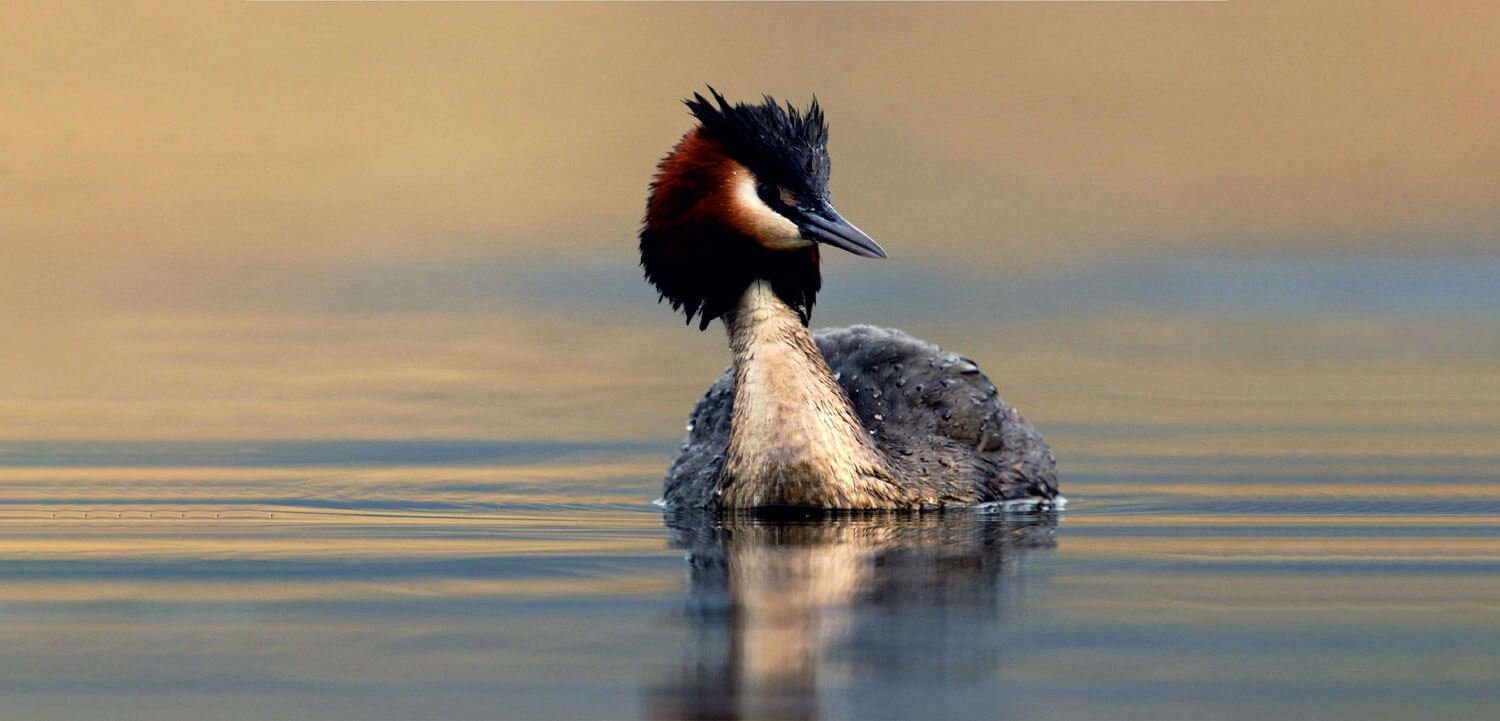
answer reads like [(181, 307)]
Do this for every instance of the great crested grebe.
[(849, 418)]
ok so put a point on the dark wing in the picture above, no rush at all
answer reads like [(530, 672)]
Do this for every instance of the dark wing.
[(938, 418), (694, 475), (934, 415)]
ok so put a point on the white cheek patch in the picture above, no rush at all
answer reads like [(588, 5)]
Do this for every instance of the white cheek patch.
[(757, 219)]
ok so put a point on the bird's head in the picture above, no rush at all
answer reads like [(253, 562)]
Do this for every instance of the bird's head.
[(744, 197)]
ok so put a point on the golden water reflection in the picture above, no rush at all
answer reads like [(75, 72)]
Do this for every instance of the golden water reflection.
[(555, 586)]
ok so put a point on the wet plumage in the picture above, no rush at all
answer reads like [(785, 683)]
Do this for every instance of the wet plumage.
[(936, 417)]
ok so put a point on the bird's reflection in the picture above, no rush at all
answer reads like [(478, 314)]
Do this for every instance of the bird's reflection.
[(780, 608)]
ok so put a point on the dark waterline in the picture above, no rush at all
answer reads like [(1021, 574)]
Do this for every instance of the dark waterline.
[(275, 453)]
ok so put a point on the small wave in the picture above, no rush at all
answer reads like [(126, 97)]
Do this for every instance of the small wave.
[(1022, 505)]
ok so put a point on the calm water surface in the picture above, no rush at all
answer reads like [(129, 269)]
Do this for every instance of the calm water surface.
[(1275, 516), (509, 580)]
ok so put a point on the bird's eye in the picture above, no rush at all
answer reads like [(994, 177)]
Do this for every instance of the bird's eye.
[(787, 197)]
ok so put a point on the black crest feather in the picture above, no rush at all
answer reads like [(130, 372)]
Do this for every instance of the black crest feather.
[(779, 143)]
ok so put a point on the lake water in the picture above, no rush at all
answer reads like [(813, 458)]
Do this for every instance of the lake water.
[(1271, 516), (494, 580)]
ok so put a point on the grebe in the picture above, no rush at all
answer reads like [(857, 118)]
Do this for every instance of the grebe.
[(850, 418)]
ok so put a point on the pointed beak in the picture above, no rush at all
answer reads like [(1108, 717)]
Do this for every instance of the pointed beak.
[(827, 226)]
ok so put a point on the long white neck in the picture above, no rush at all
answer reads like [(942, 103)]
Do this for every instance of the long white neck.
[(794, 438)]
